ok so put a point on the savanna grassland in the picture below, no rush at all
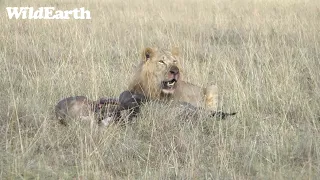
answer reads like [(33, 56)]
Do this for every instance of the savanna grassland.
[(263, 55)]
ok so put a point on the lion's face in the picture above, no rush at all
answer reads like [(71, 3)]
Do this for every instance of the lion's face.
[(161, 70)]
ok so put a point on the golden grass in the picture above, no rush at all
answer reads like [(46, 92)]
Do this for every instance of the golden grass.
[(264, 56)]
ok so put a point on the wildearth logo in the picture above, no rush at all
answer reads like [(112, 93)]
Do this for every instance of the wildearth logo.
[(46, 13)]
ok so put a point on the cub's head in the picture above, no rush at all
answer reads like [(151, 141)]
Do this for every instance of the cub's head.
[(159, 72)]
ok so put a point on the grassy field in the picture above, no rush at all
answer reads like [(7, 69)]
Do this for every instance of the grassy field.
[(263, 55)]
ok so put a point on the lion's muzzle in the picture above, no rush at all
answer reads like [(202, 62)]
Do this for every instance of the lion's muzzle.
[(170, 85)]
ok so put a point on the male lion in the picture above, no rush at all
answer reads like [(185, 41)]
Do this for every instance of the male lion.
[(158, 77)]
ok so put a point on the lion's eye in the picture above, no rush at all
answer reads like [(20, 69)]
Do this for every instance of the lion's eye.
[(161, 62)]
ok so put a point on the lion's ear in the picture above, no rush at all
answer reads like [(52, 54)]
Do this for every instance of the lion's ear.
[(147, 54), (175, 51)]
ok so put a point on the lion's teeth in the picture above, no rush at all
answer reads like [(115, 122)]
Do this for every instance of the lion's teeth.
[(171, 84)]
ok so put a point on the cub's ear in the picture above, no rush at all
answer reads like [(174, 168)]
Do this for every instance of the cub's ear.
[(175, 51), (147, 54)]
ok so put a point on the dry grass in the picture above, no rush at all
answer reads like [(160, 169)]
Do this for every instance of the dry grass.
[(264, 56)]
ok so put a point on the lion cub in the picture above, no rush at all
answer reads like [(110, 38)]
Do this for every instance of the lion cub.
[(80, 107)]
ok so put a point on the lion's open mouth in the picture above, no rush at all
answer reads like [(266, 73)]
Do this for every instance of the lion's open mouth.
[(168, 87)]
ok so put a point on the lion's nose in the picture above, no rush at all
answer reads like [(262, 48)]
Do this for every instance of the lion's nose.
[(174, 70)]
